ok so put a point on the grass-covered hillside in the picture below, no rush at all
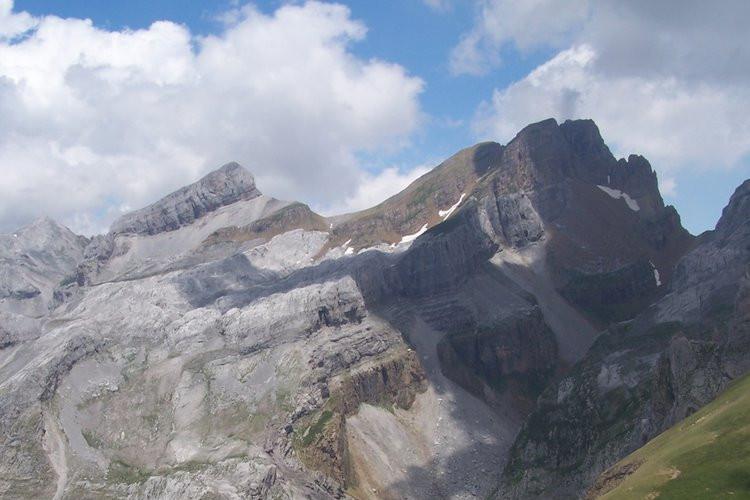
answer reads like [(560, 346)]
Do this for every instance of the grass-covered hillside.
[(705, 456)]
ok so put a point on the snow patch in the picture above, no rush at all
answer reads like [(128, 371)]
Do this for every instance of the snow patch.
[(446, 213), (347, 249), (617, 194), (411, 237), (656, 274)]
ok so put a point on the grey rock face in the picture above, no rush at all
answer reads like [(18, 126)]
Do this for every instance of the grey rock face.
[(517, 354), (33, 262), (220, 343), (221, 187), (643, 376)]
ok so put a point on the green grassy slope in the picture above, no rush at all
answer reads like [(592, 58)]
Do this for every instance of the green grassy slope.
[(705, 456)]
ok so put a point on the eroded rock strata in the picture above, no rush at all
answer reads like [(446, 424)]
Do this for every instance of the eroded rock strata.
[(510, 324)]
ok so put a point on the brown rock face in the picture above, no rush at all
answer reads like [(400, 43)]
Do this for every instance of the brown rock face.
[(391, 381), (421, 202), (293, 216)]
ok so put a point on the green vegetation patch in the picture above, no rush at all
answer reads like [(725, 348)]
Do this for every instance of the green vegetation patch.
[(311, 433), (120, 472), (92, 439), (707, 455)]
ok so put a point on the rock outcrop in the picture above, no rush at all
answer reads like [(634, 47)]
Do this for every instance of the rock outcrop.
[(229, 184), (34, 262), (644, 375), (224, 343)]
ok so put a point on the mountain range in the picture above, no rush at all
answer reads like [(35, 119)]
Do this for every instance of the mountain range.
[(513, 324)]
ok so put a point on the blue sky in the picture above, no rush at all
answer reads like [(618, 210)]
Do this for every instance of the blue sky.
[(464, 71), (403, 31)]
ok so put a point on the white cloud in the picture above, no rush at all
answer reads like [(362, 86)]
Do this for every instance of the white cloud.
[(685, 38), (669, 80), (13, 24), (668, 187), (375, 188), (526, 25), (672, 122), (94, 120)]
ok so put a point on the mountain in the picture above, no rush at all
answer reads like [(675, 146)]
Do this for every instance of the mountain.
[(645, 374), (703, 453), (222, 343), (34, 261), (228, 184)]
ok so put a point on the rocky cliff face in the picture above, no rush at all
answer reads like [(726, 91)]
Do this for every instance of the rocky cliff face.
[(36, 262), (223, 343), (644, 375), (229, 184)]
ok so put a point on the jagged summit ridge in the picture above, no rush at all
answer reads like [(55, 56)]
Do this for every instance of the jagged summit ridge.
[(222, 337), (226, 185)]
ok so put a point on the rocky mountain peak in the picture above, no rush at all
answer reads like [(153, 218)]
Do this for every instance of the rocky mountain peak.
[(737, 213), (226, 185), (219, 320), (42, 224), (41, 233), (546, 153), (584, 138)]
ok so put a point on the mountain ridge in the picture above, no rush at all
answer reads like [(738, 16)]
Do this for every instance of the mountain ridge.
[(223, 337), (223, 186)]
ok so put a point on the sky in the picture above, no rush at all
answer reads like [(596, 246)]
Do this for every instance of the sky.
[(106, 106)]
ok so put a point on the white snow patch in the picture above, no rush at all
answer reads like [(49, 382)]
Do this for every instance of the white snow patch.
[(617, 194), (382, 247), (656, 274), (411, 237), (347, 249), (446, 213)]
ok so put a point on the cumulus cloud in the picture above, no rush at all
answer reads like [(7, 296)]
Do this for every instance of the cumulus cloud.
[(673, 122), (524, 25), (670, 80), (13, 24), (96, 121), (374, 188)]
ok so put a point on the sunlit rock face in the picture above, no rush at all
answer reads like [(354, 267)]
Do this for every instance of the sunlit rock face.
[(228, 184), (223, 343)]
